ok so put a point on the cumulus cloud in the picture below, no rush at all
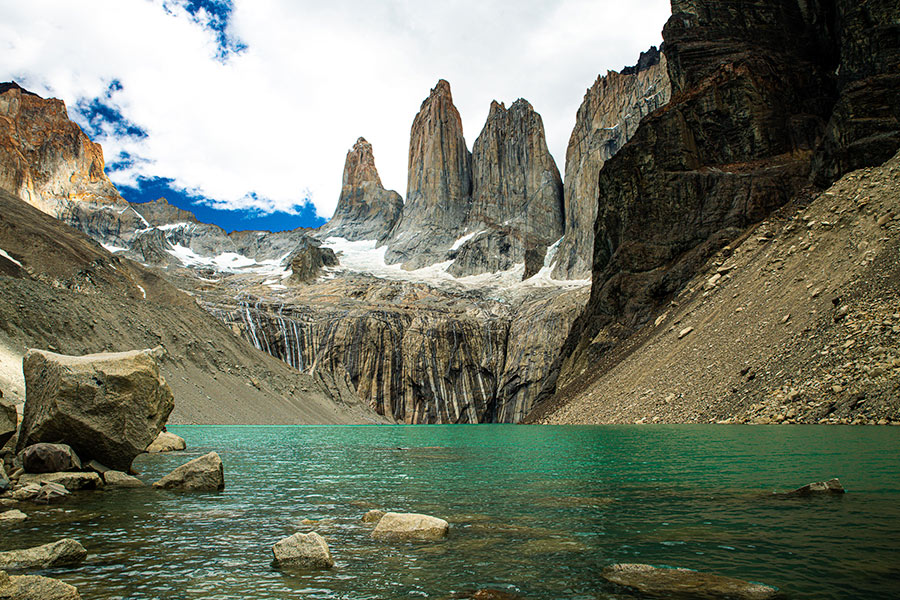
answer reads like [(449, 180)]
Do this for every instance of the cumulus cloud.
[(254, 103)]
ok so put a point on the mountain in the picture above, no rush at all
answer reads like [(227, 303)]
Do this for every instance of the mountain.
[(760, 108)]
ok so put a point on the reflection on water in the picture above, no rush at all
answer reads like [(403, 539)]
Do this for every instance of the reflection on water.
[(537, 511)]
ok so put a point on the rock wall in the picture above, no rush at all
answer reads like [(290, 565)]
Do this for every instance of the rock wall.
[(609, 115), (365, 210), (411, 352), (753, 88)]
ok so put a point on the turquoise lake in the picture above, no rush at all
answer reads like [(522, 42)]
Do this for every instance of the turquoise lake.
[(538, 511)]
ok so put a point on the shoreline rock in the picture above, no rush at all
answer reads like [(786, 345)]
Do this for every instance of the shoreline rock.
[(205, 473), (34, 587), (664, 582), (62, 553), (50, 458), (166, 442)]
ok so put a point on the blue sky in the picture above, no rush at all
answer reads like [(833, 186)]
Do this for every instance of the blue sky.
[(242, 111)]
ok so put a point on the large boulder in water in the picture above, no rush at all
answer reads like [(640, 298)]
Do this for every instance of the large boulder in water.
[(108, 407), (816, 488), (50, 458), (64, 553), (33, 587), (303, 550), (167, 442), (410, 526), (683, 583), (203, 474)]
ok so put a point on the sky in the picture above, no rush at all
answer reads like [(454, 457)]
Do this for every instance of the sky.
[(243, 110)]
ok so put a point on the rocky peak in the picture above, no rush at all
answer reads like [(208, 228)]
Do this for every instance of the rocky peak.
[(609, 115), (517, 192), (439, 183), (365, 209)]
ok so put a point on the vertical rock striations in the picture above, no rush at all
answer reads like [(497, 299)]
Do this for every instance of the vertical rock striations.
[(517, 206), (439, 189), (609, 115), (365, 210)]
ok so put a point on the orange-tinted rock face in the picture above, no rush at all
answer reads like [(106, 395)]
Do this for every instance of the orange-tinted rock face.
[(45, 158)]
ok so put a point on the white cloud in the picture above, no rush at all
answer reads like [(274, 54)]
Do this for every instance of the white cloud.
[(274, 122)]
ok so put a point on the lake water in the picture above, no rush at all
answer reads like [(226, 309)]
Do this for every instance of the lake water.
[(534, 510)]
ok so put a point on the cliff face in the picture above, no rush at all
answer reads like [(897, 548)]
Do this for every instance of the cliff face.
[(753, 89), (439, 185), (609, 115), (365, 210), (516, 195)]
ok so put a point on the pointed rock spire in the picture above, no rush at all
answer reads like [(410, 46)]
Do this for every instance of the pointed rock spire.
[(365, 209)]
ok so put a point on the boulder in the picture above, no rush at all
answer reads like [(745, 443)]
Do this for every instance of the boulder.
[(201, 474), (817, 488), (32, 587), (373, 516), (4, 480), (50, 492), (63, 553), (12, 517), (50, 458), (71, 481), (410, 526), (684, 583), (303, 550), (107, 407), (8, 421), (23, 493), (166, 442), (120, 479)]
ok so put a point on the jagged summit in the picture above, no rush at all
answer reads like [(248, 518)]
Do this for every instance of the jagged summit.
[(365, 210), (12, 85)]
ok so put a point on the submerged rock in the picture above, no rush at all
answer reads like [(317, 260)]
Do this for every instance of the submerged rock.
[(304, 550), (684, 583), (410, 526), (50, 492), (71, 481), (63, 553), (33, 587), (817, 488), (12, 517), (205, 473), (107, 407), (373, 516), (166, 442), (50, 458)]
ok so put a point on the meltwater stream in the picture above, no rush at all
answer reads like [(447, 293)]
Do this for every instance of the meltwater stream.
[(538, 511)]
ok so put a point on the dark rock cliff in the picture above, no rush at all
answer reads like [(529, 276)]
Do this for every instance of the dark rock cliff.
[(753, 99)]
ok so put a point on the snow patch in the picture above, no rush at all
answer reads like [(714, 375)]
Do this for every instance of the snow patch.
[(113, 249), (143, 291), (458, 243), (10, 258)]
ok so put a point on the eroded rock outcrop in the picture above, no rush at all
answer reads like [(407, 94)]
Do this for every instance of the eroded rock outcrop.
[(439, 188), (516, 194), (307, 262), (608, 117), (107, 407), (365, 210)]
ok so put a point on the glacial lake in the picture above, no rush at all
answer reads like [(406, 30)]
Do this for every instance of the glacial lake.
[(538, 511)]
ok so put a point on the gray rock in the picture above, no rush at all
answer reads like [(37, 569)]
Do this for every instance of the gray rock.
[(817, 488), (308, 261), (8, 421), (303, 550), (49, 493), (4, 480), (12, 517), (71, 481), (33, 587), (410, 526), (50, 458), (684, 583), (166, 442), (122, 480), (108, 407), (63, 553), (205, 473), (373, 516)]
